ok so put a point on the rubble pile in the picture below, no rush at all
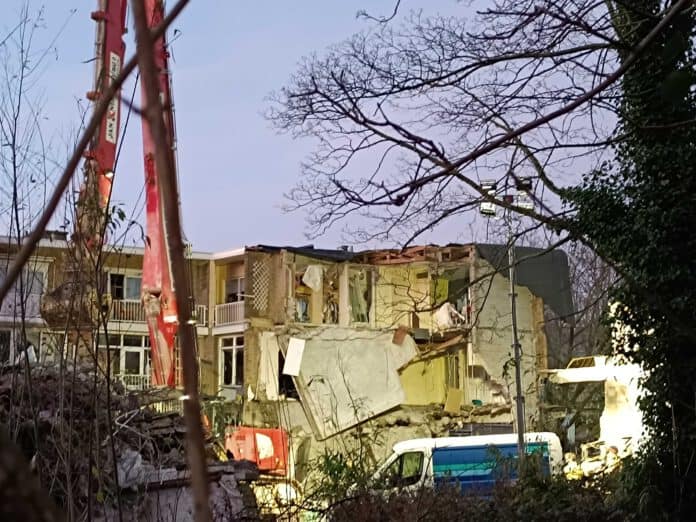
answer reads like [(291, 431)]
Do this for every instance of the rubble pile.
[(437, 421), (72, 424), (158, 437), (60, 420)]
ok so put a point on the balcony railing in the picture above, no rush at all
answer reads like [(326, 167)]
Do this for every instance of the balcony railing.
[(201, 315), (127, 311), (229, 313), (134, 381), (131, 311)]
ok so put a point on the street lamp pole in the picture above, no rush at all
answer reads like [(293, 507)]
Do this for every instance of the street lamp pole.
[(516, 347), (488, 208)]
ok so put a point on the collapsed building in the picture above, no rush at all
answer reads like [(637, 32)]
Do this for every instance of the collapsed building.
[(414, 343), (324, 343)]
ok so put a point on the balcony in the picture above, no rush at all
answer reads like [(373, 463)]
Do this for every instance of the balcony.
[(131, 311), (11, 307), (127, 311), (201, 315), (133, 381), (229, 313)]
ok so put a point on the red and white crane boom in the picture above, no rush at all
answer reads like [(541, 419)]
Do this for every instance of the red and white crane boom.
[(158, 296)]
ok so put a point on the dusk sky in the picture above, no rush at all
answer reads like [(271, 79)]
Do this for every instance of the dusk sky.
[(228, 56)]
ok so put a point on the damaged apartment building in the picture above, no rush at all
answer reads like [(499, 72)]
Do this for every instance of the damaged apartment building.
[(416, 341), (320, 341)]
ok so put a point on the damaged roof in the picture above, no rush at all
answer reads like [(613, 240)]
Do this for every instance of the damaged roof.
[(545, 273), (309, 251)]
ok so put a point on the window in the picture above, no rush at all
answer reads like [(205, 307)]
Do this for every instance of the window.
[(33, 288), (129, 357), (406, 470), (5, 345), (360, 293), (125, 287), (234, 290), (232, 361)]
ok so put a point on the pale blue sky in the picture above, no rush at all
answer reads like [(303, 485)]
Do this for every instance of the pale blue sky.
[(230, 54)]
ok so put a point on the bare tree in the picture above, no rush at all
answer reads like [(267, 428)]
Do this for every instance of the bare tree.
[(591, 99), (410, 118)]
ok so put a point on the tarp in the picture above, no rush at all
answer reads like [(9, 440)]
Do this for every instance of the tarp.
[(546, 274)]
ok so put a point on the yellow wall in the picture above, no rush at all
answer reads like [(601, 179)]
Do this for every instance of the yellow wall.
[(223, 272), (425, 382), (399, 292)]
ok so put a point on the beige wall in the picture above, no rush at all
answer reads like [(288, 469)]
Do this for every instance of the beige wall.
[(493, 337)]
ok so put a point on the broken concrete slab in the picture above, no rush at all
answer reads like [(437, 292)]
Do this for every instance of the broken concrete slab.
[(336, 390)]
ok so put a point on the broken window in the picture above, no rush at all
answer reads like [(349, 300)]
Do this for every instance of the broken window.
[(286, 386), (360, 294), (303, 298), (451, 297), (309, 282), (330, 295)]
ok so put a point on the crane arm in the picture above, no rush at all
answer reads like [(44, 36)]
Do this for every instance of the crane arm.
[(101, 154), (158, 293), (158, 296), (74, 301)]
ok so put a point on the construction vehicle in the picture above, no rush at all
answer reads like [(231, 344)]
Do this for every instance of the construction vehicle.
[(276, 490), (79, 302), (621, 423)]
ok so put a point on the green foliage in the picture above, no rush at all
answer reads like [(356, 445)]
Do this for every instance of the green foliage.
[(640, 214), (337, 475)]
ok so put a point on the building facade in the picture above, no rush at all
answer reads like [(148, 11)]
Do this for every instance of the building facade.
[(122, 343)]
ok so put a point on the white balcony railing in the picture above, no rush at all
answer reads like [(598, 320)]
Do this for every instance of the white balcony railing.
[(201, 315), (131, 311), (127, 311), (134, 381), (229, 313)]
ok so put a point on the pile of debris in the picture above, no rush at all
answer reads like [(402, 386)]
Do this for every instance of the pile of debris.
[(60, 420), (91, 442), (157, 437)]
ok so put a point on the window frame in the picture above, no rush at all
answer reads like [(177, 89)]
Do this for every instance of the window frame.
[(144, 351), (240, 285), (126, 275), (236, 349)]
